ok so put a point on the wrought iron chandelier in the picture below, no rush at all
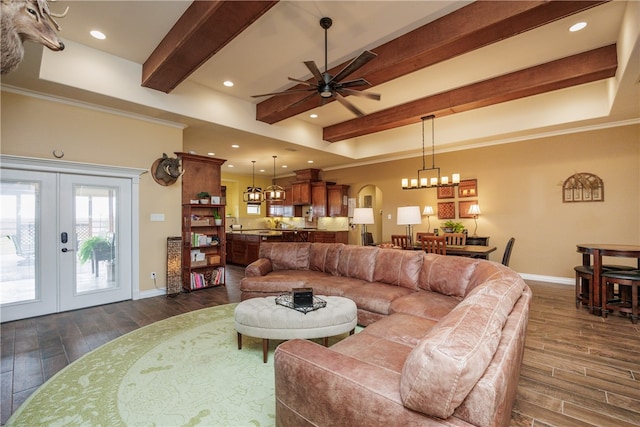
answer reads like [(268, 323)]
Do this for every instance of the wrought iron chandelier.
[(253, 195), (274, 193), (430, 176)]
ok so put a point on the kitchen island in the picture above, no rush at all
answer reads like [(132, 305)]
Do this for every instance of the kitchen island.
[(243, 246)]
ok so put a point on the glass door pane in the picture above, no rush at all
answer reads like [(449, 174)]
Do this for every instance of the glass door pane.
[(95, 214), (24, 196)]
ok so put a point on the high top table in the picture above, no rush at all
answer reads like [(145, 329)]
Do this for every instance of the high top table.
[(598, 250)]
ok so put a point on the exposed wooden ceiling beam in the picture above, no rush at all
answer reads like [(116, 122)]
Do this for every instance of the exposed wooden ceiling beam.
[(204, 29), (578, 69), (471, 27)]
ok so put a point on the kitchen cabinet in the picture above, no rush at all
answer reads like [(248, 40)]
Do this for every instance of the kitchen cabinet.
[(319, 198), (337, 197), (244, 248), (330, 237), (301, 193)]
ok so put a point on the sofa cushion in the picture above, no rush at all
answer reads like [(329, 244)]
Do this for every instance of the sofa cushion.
[(376, 297), (426, 304), (357, 262), (374, 350), (286, 255), (447, 275), (453, 355), (400, 268), (401, 328), (324, 257), (273, 283)]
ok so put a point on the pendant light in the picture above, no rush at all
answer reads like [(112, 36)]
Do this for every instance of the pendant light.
[(274, 193), (253, 195), (432, 176)]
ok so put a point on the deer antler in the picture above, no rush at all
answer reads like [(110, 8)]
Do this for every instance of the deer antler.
[(44, 10)]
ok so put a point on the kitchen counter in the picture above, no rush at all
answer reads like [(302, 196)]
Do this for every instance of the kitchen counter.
[(243, 246)]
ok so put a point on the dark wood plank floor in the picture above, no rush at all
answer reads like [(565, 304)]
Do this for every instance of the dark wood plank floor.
[(578, 369)]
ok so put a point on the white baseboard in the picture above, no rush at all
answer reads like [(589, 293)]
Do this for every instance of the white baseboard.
[(150, 293), (549, 279)]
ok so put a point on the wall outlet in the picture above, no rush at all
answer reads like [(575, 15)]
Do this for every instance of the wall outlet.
[(153, 275)]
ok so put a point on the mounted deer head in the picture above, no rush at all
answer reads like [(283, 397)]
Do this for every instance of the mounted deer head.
[(26, 20)]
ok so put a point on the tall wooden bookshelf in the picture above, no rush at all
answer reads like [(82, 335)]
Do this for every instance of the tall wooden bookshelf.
[(203, 238)]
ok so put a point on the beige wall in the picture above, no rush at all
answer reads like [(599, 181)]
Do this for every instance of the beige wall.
[(34, 128), (519, 192), (518, 183)]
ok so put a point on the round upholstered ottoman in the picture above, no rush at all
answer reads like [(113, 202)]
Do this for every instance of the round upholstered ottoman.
[(263, 318)]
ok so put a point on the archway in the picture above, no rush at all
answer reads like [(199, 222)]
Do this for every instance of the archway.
[(370, 196)]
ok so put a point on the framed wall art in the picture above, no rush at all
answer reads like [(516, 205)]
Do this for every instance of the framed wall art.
[(583, 187), (446, 192), (463, 208), (446, 210), (468, 188)]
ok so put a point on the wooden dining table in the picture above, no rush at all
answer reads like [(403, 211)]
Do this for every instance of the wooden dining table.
[(473, 251), (597, 251)]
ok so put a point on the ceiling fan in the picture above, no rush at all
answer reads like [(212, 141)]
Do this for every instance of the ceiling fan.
[(328, 86)]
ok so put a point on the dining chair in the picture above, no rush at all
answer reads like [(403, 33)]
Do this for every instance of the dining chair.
[(420, 235), (434, 244), (456, 239), (507, 251), (400, 240)]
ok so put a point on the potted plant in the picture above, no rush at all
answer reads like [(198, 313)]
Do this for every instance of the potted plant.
[(205, 198), (96, 244), (451, 226), (217, 218)]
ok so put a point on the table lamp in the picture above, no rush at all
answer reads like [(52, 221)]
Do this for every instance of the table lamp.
[(363, 216), (475, 211), (409, 215), (428, 211)]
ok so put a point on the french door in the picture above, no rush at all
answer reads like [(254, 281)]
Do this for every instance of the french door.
[(66, 242)]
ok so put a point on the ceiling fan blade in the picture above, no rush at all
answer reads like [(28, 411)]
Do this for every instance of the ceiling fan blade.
[(358, 62), (354, 83), (314, 70), (374, 96), (304, 82), (286, 92), (348, 105)]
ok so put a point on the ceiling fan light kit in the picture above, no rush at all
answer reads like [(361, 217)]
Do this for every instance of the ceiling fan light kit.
[(328, 86), (433, 178)]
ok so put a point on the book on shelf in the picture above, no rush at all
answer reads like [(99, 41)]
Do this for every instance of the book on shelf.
[(209, 278)]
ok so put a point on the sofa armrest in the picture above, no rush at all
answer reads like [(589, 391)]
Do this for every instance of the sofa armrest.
[(260, 267), (319, 386)]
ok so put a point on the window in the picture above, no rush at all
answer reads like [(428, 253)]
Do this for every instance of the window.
[(253, 209)]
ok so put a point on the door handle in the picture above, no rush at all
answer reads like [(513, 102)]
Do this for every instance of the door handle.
[(67, 250)]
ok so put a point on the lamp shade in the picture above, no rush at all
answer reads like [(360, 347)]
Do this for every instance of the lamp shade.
[(409, 215), (428, 210), (363, 216), (474, 210)]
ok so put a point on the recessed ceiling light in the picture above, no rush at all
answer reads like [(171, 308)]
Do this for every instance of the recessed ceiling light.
[(285, 166), (309, 161), (235, 146), (97, 34), (229, 166), (577, 27), (228, 83), (313, 116), (211, 154), (261, 170)]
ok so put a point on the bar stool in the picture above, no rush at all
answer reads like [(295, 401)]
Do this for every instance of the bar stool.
[(623, 305), (584, 283)]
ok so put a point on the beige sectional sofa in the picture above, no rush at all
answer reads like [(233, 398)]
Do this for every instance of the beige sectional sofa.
[(443, 341)]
